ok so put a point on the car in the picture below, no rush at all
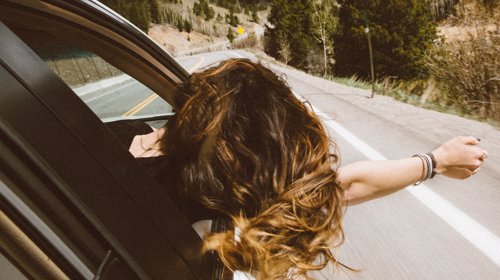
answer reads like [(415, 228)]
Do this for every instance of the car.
[(74, 203)]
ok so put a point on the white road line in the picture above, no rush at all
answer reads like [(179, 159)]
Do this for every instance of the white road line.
[(236, 54), (479, 236), (190, 71)]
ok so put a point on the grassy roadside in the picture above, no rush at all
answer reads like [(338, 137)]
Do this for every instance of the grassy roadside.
[(404, 96)]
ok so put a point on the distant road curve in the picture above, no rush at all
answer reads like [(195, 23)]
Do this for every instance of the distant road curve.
[(223, 45)]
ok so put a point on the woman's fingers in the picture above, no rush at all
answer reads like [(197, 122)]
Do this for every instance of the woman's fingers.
[(484, 155), (469, 140), (461, 152)]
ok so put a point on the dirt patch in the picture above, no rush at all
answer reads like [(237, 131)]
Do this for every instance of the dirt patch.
[(174, 41), (453, 33)]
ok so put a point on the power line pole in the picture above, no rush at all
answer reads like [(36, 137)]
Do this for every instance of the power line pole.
[(372, 68)]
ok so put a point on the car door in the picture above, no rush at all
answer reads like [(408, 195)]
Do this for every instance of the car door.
[(66, 182)]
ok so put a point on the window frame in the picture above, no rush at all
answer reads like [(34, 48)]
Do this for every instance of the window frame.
[(88, 136)]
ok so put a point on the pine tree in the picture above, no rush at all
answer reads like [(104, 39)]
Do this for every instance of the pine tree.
[(156, 16), (401, 32), (231, 18), (293, 21), (140, 15), (255, 16), (230, 35), (179, 23), (137, 11), (188, 26), (441, 9)]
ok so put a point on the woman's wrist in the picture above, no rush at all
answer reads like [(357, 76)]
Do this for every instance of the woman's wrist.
[(440, 161)]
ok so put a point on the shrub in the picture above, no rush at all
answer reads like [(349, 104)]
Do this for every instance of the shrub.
[(468, 73), (249, 42)]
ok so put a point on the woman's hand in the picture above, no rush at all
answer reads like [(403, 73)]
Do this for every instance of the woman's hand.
[(460, 157)]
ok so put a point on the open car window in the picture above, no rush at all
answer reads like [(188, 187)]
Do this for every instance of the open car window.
[(108, 91), (110, 64)]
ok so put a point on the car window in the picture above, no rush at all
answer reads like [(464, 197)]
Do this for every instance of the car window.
[(110, 93)]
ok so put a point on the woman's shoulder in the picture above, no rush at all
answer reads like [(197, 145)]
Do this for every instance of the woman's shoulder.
[(126, 130)]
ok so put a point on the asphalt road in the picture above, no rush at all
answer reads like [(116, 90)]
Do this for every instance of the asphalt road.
[(445, 229)]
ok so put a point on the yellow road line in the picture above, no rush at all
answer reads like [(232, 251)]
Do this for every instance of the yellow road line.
[(141, 105), (153, 96)]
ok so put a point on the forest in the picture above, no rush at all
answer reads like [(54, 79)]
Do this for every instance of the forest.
[(415, 58)]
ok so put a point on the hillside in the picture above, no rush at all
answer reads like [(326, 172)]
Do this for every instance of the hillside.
[(456, 71), (470, 18), (204, 33)]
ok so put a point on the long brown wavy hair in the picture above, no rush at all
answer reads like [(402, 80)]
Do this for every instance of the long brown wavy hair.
[(246, 147)]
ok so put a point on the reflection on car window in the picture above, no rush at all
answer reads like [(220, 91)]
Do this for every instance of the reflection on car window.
[(9, 270), (109, 92), (22, 251)]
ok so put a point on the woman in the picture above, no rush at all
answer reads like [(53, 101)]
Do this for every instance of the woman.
[(241, 146)]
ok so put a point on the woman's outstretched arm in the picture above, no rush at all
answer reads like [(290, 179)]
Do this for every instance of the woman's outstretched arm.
[(460, 158)]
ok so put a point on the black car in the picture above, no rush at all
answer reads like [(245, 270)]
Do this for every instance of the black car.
[(74, 203)]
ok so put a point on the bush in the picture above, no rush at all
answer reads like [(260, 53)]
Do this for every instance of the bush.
[(249, 42), (468, 74)]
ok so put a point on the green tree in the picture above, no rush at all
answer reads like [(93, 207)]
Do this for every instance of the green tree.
[(230, 35), (179, 23), (140, 15), (197, 9), (255, 16), (291, 21), (156, 15), (401, 32), (231, 18), (202, 9), (136, 11), (441, 9), (188, 26), (325, 24)]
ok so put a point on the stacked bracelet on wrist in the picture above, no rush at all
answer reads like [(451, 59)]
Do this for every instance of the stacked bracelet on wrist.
[(434, 164), (428, 166)]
